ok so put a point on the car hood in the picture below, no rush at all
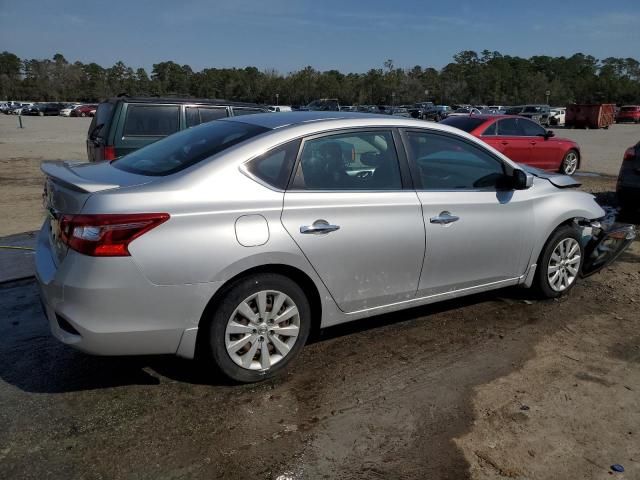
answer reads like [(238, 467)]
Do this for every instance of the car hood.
[(557, 179)]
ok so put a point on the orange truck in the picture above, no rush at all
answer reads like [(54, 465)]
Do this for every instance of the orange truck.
[(598, 115)]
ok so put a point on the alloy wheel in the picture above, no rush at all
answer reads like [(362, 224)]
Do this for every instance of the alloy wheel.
[(570, 163), (262, 330), (564, 264)]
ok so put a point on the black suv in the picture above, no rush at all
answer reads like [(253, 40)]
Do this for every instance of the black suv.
[(43, 109), (122, 125), (538, 113)]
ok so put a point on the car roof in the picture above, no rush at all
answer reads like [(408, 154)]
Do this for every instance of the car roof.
[(284, 119), (182, 100)]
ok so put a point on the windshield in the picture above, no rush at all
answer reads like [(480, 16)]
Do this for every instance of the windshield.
[(188, 147), (531, 110), (463, 123)]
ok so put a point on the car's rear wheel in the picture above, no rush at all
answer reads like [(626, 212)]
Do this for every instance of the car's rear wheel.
[(83, 114), (569, 163), (560, 263), (259, 327)]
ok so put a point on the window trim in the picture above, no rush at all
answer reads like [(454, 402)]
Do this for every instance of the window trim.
[(153, 105), (415, 173), (296, 185)]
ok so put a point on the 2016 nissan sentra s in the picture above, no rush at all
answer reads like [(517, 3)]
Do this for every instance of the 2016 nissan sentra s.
[(240, 235)]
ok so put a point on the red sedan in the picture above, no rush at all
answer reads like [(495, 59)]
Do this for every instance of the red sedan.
[(84, 111), (522, 140)]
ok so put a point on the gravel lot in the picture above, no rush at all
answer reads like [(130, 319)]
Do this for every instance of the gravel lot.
[(491, 386)]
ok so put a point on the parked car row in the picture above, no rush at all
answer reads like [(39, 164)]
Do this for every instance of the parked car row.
[(49, 108)]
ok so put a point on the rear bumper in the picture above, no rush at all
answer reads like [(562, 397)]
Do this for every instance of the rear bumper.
[(105, 306)]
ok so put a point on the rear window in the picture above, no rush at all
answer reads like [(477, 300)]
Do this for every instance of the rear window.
[(151, 120), (464, 123), (186, 148), (98, 127)]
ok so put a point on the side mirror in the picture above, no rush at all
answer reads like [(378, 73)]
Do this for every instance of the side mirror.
[(549, 134), (522, 180)]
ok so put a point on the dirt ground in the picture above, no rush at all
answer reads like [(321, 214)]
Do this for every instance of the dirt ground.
[(491, 386)]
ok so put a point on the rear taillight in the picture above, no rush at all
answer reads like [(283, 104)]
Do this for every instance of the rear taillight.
[(107, 235), (109, 153), (629, 154)]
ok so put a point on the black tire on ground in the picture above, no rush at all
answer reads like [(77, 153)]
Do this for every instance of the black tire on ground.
[(541, 284), (237, 293)]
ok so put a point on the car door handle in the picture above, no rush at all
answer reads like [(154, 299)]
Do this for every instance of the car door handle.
[(444, 218), (532, 142), (504, 143), (319, 227)]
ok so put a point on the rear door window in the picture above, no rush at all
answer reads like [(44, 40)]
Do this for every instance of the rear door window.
[(197, 115), (151, 120)]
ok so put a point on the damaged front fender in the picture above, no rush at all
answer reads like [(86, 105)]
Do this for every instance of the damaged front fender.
[(605, 243)]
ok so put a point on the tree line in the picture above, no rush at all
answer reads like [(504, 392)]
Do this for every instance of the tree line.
[(475, 78)]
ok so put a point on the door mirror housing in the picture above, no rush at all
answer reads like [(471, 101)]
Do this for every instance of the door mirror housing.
[(549, 134), (521, 180)]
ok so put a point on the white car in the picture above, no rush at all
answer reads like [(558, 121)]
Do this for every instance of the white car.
[(66, 112), (465, 111), (279, 108), (556, 116)]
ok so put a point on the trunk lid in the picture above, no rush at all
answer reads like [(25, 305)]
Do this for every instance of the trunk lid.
[(68, 186)]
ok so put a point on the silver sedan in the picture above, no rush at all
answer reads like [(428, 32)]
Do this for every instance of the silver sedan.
[(237, 237)]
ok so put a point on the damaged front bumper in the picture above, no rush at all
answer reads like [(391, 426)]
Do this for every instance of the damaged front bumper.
[(604, 241)]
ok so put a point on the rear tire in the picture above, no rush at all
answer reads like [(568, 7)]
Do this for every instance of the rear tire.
[(570, 163), (257, 296), (559, 264)]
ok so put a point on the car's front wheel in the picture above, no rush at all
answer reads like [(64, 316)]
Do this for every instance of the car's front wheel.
[(569, 163), (560, 263), (259, 327)]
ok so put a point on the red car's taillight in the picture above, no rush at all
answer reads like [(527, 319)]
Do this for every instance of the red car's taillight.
[(109, 152), (629, 154), (107, 235)]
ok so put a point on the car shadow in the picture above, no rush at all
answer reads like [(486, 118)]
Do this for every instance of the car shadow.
[(33, 361)]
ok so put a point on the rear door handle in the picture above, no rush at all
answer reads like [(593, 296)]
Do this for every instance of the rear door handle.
[(444, 218), (504, 143), (319, 227)]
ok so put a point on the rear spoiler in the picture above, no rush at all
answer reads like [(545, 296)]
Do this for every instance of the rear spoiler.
[(60, 171)]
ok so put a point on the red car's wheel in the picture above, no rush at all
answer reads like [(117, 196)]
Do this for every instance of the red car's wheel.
[(570, 163)]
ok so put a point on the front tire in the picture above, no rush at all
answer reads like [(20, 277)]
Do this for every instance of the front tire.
[(259, 327), (560, 263), (569, 163)]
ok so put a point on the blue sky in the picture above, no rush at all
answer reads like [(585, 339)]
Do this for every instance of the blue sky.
[(287, 35)]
